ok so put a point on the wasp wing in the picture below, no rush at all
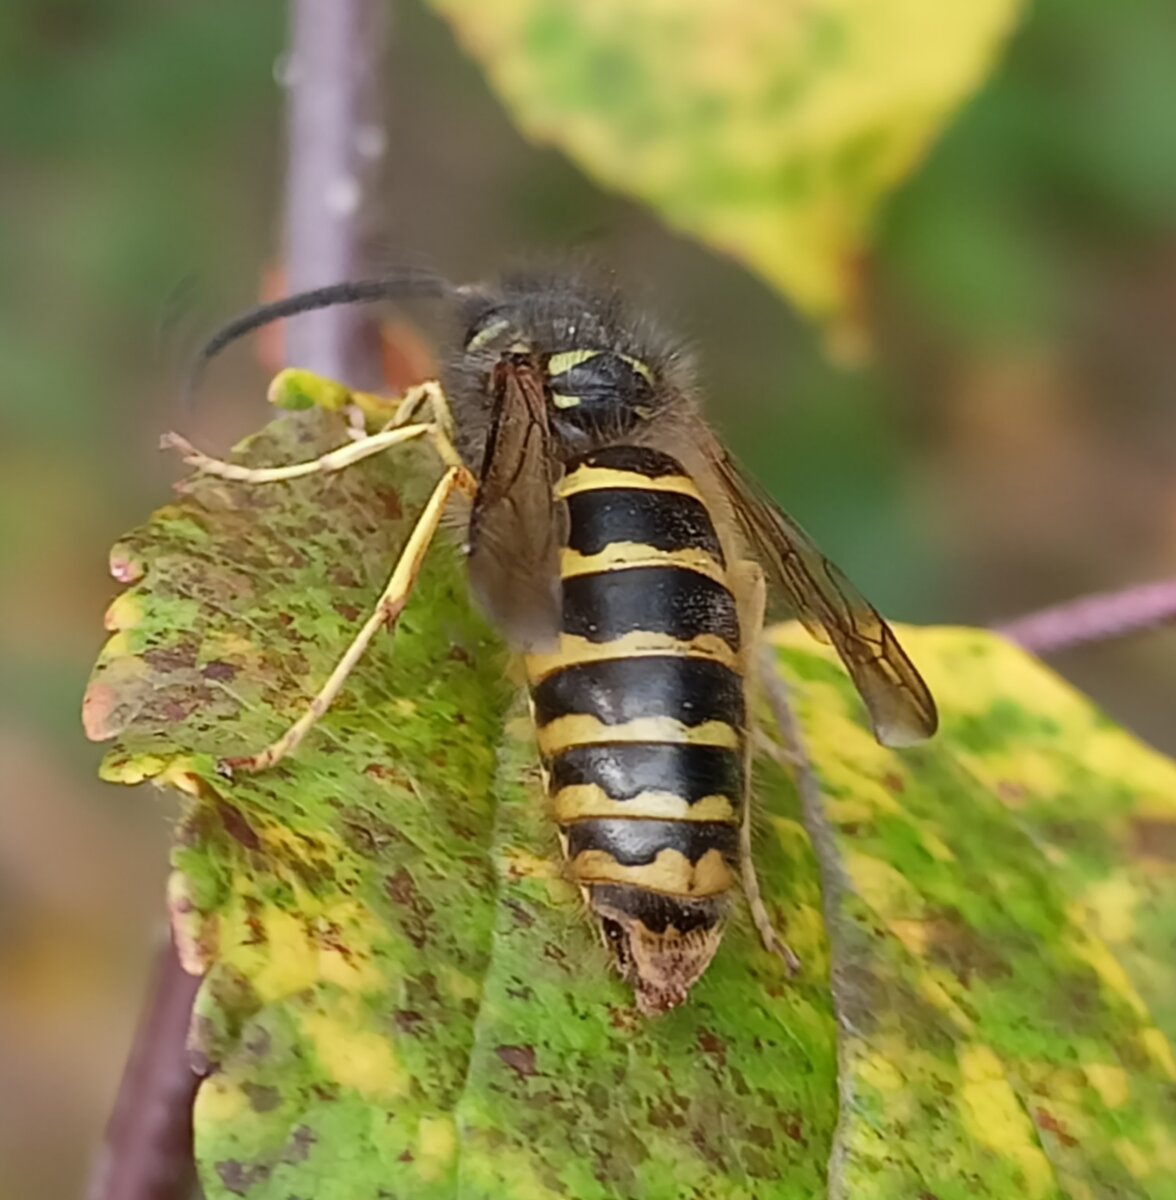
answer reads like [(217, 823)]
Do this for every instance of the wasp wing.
[(900, 705), (516, 526)]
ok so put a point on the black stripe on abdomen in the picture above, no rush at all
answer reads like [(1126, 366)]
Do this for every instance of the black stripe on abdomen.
[(640, 460), (635, 842), (656, 911), (626, 769), (616, 690), (664, 520), (672, 600)]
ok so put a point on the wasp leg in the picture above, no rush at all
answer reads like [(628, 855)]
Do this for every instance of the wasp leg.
[(333, 460), (749, 586), (439, 430), (430, 393), (773, 942), (385, 614)]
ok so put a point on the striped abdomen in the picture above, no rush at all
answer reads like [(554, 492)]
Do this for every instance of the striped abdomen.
[(640, 710)]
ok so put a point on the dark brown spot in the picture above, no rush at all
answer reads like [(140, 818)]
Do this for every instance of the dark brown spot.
[(894, 781), (1155, 838), (172, 658), (793, 1128), (349, 612), (298, 1148), (520, 1059), (759, 1136), (390, 502), (1050, 1123), (237, 827), (713, 1045), (258, 1043), (408, 1020), (218, 671), (401, 888), (261, 1097), (520, 914), (239, 1178)]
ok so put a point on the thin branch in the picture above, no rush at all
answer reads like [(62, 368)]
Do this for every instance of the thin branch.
[(1094, 618), (147, 1151), (337, 139)]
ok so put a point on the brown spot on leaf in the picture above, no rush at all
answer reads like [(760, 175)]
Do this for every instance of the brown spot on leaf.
[(1050, 1123), (239, 1178), (1155, 838), (713, 1046), (408, 1021), (237, 827), (894, 782), (793, 1127), (298, 1148), (402, 890), (521, 916), (390, 502), (219, 672), (520, 1059), (165, 659), (262, 1098), (258, 1043)]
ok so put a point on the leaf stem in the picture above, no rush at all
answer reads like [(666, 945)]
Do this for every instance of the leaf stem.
[(1095, 618)]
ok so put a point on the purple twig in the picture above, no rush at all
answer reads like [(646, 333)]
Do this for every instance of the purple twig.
[(147, 1151), (336, 144), (1094, 618)]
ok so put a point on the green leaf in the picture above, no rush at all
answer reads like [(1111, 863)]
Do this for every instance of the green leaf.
[(769, 131), (1002, 913), (401, 991), (402, 995)]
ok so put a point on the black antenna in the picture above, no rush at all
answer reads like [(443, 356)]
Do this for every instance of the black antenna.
[(403, 285)]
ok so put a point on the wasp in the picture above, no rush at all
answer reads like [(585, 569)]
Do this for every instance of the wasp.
[(620, 549)]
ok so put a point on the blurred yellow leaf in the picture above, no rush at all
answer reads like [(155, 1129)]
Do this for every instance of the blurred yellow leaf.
[(770, 131)]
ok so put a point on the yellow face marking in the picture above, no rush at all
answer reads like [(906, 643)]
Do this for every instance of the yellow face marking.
[(638, 366), (573, 650), (579, 729), (562, 401), (620, 556), (590, 800), (671, 872), (594, 479), (484, 336), (557, 364)]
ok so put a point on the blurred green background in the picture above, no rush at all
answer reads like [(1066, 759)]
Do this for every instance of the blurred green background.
[(1012, 444)]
